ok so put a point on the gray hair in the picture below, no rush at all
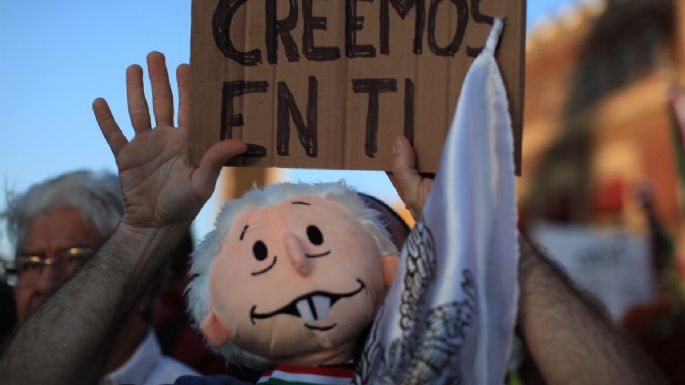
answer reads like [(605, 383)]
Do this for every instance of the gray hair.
[(96, 196), (203, 257)]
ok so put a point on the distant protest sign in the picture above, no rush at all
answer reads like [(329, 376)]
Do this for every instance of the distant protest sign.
[(332, 83), (613, 265)]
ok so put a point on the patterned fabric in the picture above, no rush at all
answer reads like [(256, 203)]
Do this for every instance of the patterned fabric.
[(449, 316)]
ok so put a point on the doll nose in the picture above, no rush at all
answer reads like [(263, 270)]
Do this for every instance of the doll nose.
[(296, 255)]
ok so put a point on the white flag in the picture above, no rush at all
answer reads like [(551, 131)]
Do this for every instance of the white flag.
[(449, 316)]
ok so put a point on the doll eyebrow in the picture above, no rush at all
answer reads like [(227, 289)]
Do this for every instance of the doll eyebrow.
[(242, 233), (300, 203)]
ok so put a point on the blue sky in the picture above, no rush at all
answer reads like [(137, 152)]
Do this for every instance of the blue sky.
[(57, 56)]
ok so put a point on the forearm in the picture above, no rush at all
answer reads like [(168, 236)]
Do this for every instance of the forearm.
[(67, 339), (569, 337)]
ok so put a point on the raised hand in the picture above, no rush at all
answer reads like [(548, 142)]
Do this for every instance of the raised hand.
[(159, 185), (412, 187)]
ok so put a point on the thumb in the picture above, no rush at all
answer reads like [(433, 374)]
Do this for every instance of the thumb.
[(405, 177), (205, 176)]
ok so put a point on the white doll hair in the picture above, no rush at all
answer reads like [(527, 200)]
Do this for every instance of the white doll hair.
[(95, 196), (203, 257)]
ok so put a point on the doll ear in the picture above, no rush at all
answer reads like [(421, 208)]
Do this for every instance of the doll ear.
[(212, 328), (390, 264)]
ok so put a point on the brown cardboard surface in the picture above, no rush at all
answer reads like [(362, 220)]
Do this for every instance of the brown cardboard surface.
[(350, 84)]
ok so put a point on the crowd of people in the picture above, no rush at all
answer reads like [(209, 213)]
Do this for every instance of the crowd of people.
[(96, 252)]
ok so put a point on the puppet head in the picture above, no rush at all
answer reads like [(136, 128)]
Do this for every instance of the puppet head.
[(291, 275)]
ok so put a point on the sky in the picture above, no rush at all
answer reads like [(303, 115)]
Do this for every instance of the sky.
[(58, 56)]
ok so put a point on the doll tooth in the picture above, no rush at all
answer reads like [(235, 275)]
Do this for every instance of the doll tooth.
[(305, 310), (322, 304)]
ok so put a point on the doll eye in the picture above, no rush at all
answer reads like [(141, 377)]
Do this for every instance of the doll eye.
[(314, 235), (260, 251)]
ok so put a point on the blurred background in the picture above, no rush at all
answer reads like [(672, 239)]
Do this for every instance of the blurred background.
[(603, 167)]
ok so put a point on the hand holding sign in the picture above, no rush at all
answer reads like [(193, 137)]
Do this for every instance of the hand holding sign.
[(159, 185), (411, 186)]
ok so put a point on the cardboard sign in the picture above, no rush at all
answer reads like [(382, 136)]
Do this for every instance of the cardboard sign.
[(332, 83)]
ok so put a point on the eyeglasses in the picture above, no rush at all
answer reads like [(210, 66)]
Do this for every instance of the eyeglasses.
[(27, 269)]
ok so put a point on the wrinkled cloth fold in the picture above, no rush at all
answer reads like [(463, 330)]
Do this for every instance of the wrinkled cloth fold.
[(449, 317)]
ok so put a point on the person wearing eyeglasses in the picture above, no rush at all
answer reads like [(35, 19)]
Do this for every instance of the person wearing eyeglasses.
[(56, 227)]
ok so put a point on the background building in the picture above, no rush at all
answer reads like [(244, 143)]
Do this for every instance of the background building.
[(597, 120), (601, 187)]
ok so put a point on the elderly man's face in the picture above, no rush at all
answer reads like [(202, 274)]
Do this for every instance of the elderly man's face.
[(56, 236), (297, 282)]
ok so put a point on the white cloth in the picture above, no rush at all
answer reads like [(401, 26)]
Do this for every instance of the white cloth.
[(284, 374), (449, 316), (147, 366)]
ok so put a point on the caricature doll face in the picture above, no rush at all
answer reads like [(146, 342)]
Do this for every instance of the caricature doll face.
[(296, 283)]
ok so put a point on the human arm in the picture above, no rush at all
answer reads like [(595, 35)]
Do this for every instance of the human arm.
[(66, 340), (569, 337), (568, 334)]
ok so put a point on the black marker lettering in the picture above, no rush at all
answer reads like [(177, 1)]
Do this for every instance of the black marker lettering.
[(312, 23), (354, 23), (402, 7), (231, 90), (463, 19), (480, 19), (282, 28), (373, 87), (409, 110), (221, 27), (287, 108)]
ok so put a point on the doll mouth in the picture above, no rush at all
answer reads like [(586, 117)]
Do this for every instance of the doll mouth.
[(310, 307), (320, 328)]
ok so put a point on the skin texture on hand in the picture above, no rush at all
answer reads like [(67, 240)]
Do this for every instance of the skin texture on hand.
[(412, 187), (67, 338), (568, 334), (159, 185)]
